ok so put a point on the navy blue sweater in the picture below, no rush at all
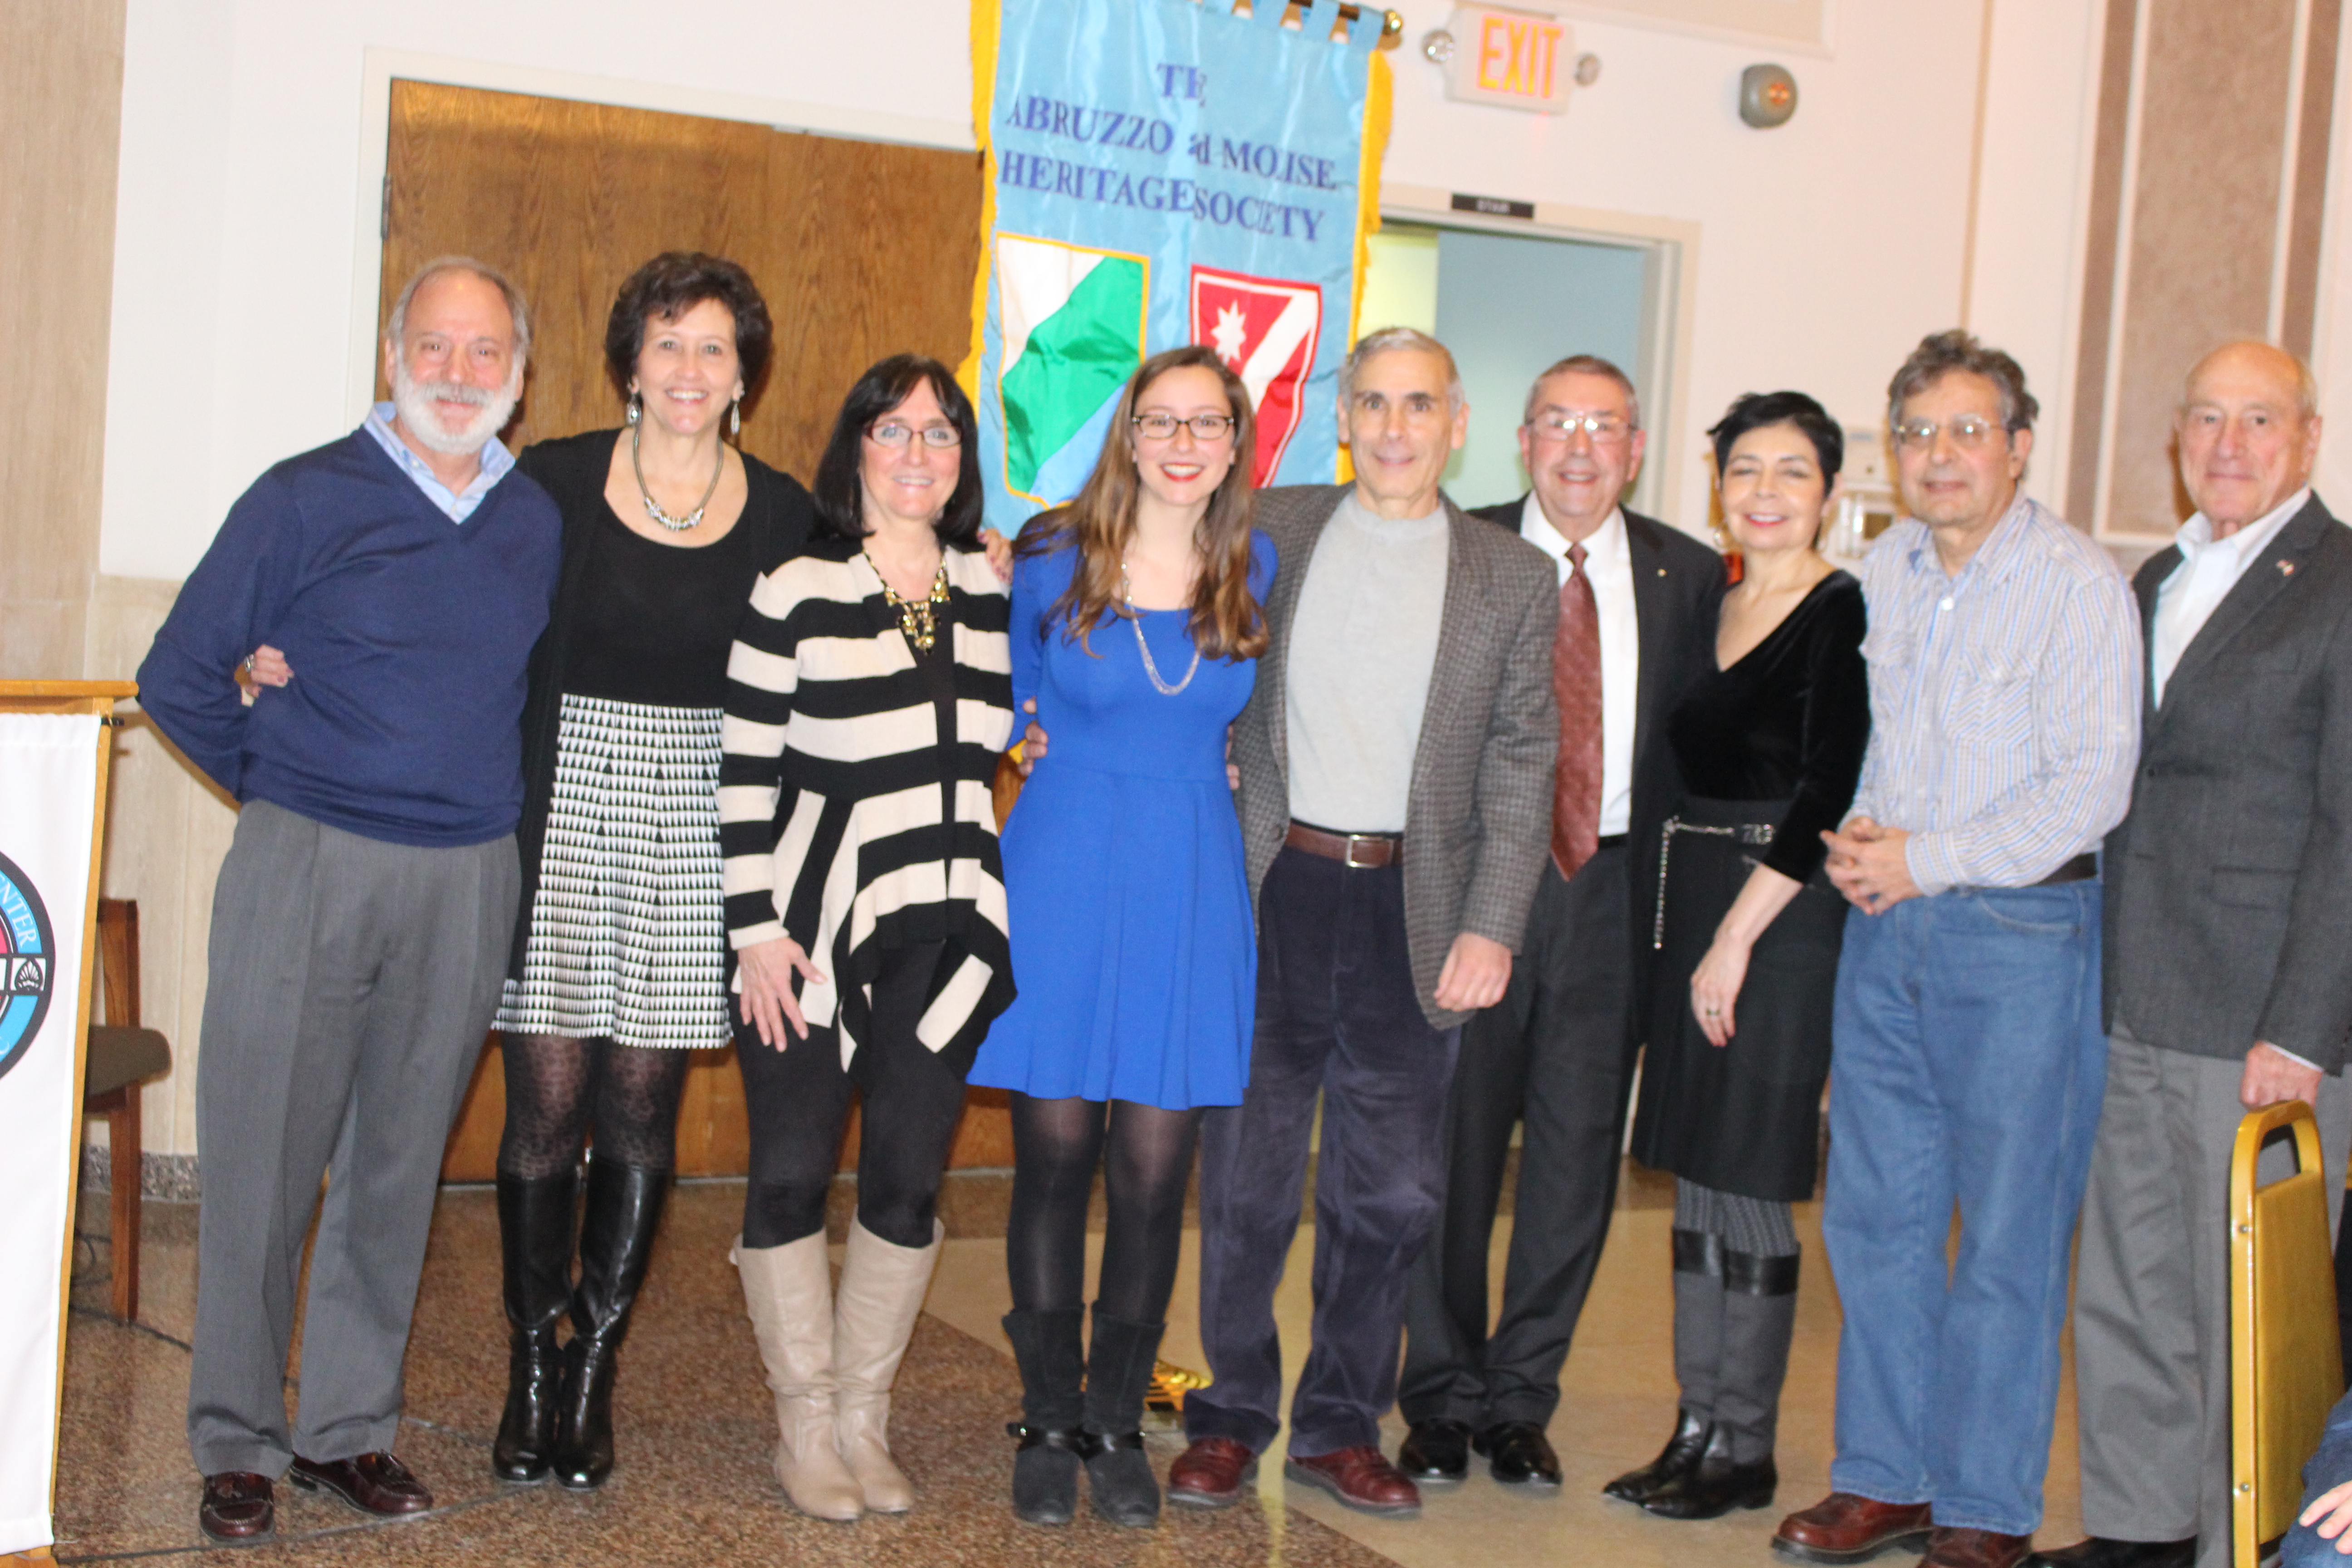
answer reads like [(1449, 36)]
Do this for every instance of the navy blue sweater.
[(408, 634)]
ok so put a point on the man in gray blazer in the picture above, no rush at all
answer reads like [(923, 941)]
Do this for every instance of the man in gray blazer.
[(1395, 799), (2229, 985)]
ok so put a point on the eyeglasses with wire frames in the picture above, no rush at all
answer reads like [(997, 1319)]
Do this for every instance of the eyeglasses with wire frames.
[(892, 433), (1606, 429), (1204, 427), (1969, 432)]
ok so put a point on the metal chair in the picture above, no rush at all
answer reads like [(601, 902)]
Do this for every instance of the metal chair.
[(121, 1056), (2286, 1366)]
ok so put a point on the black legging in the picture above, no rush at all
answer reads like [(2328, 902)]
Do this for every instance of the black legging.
[(557, 1087), (1146, 1154), (798, 1099)]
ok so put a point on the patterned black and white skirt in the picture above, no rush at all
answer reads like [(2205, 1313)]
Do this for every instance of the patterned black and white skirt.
[(628, 941)]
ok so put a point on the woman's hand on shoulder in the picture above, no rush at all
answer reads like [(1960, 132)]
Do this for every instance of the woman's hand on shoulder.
[(767, 969), (1000, 553)]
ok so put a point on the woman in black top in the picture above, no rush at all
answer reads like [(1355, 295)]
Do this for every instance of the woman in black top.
[(1770, 748)]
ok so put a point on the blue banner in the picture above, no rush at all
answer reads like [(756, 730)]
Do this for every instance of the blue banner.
[(1163, 173)]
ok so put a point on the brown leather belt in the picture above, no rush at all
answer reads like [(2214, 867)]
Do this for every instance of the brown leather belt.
[(2081, 868), (1362, 851)]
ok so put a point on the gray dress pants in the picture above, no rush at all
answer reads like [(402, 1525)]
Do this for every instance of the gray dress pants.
[(350, 984), (2152, 1292)]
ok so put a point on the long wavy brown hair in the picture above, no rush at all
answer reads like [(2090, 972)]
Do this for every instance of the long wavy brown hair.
[(1100, 523)]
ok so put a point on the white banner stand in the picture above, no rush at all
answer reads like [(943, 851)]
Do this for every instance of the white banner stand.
[(54, 748)]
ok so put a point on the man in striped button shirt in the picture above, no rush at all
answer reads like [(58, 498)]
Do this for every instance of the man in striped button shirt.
[(2004, 690)]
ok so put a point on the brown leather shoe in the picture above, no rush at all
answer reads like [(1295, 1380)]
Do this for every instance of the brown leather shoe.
[(1360, 1478), (238, 1506), (1211, 1473), (1846, 1528), (373, 1483), (1975, 1549)]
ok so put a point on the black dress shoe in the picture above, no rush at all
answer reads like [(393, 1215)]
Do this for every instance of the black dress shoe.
[(1519, 1454), (2099, 1551), (1436, 1453), (238, 1506), (1681, 1452), (373, 1483)]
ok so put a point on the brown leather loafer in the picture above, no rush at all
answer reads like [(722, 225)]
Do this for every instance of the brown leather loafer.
[(238, 1506), (1360, 1478), (1976, 1549), (373, 1483), (1211, 1473), (1846, 1528)]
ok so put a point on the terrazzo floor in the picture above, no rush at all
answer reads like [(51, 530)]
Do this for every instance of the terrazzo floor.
[(693, 1486)]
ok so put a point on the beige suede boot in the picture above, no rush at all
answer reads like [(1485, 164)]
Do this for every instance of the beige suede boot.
[(882, 1288), (788, 1290)]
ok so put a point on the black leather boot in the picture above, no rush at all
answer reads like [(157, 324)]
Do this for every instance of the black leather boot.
[(1698, 1357), (1118, 1370), (1046, 1345), (1716, 1484), (535, 1230), (1759, 1316), (617, 1243)]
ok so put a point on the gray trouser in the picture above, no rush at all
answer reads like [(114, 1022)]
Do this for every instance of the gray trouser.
[(2152, 1292), (350, 983)]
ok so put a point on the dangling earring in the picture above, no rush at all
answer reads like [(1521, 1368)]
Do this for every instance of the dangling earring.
[(634, 409), (735, 415)]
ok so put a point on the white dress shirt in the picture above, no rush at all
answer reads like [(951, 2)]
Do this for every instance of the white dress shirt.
[(2209, 569), (1609, 562)]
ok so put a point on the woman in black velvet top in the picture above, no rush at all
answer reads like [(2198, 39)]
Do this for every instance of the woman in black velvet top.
[(1770, 748)]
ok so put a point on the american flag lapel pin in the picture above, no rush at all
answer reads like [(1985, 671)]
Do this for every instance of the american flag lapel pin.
[(2286, 568)]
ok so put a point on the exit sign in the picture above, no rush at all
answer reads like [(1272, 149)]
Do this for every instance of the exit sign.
[(1518, 60)]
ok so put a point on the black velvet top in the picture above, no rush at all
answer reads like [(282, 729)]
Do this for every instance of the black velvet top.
[(1788, 721)]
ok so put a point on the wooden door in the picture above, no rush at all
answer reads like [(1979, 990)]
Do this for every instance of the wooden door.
[(861, 250)]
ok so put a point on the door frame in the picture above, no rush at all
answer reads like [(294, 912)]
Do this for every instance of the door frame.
[(379, 68), (1669, 249)]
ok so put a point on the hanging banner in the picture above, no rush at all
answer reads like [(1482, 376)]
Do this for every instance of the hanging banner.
[(49, 788), (1163, 173)]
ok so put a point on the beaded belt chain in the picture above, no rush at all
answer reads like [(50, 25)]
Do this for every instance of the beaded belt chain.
[(1758, 833)]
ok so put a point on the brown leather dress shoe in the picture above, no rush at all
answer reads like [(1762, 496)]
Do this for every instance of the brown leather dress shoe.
[(1846, 1528), (1211, 1473), (1976, 1549), (373, 1483), (238, 1506), (1361, 1478)]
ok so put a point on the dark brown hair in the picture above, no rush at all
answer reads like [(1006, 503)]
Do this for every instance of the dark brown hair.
[(669, 286), (841, 497), (1101, 522)]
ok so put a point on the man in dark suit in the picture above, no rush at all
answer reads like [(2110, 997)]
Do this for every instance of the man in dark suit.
[(2228, 984), (1637, 615), (1395, 800)]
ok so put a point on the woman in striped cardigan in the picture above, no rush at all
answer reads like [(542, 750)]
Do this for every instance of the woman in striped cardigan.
[(868, 695)]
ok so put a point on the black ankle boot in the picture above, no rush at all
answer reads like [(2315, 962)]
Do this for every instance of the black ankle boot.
[(1119, 1371), (1716, 1485), (1046, 1345), (535, 1230), (617, 1243)]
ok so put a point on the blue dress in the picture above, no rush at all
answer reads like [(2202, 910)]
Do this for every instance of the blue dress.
[(1133, 948)]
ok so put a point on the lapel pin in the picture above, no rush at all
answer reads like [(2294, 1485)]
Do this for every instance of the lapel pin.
[(2286, 568), (1662, 571)]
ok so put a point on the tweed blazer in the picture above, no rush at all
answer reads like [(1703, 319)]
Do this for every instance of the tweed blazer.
[(2229, 884), (1478, 811)]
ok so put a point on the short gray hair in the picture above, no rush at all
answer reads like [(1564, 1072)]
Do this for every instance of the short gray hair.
[(1941, 353), (2306, 385), (1587, 364), (396, 326), (1394, 340)]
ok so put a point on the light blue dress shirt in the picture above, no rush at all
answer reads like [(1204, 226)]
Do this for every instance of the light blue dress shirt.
[(457, 505)]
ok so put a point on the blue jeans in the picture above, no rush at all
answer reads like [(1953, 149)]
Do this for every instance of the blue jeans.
[(2330, 1468), (1967, 1067)]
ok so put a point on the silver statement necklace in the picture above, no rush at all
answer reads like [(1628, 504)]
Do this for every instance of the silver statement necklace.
[(1135, 619), (652, 507)]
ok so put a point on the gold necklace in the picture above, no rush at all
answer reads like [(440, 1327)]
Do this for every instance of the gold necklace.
[(915, 616)]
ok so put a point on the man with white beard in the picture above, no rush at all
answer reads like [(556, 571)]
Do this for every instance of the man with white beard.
[(362, 917)]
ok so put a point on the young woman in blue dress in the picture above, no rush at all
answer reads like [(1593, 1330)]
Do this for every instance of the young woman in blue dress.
[(1135, 632)]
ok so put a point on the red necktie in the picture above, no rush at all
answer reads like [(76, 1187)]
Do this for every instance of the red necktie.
[(1576, 683)]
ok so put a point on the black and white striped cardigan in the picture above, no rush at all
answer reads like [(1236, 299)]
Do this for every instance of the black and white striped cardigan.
[(846, 824)]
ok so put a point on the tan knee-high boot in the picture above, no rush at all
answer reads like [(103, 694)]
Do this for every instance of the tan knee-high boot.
[(882, 1288), (788, 1290)]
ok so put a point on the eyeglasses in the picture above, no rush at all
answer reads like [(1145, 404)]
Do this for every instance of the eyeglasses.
[(1606, 429), (1969, 432), (1204, 427), (938, 437)]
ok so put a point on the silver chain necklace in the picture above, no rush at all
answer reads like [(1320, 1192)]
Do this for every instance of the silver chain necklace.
[(652, 507), (1135, 619)]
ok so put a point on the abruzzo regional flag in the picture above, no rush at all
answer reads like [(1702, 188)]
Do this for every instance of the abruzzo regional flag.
[(1163, 173)]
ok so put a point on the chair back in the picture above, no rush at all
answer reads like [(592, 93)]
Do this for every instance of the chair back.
[(2286, 1361), (118, 958)]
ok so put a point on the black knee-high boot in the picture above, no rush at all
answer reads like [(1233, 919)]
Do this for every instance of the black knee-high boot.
[(535, 1229), (1737, 1471), (617, 1243), (1048, 1345), (1698, 1356), (1119, 1371)]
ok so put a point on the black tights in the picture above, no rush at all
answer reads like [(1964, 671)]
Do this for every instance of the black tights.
[(1146, 1154), (556, 1088)]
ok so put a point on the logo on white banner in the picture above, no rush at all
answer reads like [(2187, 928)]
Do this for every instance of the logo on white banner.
[(28, 962), (1267, 329)]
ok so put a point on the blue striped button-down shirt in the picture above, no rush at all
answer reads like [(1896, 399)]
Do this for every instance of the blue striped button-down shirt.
[(2004, 701)]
